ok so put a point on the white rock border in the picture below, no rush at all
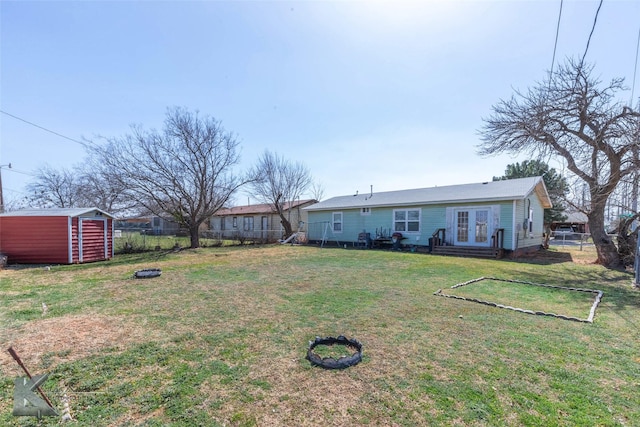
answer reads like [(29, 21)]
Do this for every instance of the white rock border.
[(592, 313)]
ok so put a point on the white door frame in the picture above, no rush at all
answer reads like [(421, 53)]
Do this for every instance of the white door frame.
[(478, 226)]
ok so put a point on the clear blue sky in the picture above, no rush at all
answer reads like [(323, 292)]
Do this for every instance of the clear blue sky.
[(390, 94)]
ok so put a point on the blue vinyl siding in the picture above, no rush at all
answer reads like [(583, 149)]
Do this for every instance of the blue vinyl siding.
[(432, 217), (506, 202), (379, 220), (506, 220)]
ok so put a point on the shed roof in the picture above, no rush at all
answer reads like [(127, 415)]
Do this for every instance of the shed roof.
[(68, 212), (511, 189), (263, 208)]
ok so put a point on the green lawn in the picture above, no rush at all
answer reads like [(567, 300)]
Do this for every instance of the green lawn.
[(221, 337), (539, 298)]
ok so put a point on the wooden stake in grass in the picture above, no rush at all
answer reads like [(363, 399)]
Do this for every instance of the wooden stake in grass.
[(15, 356)]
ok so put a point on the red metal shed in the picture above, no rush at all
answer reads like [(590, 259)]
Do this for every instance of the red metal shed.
[(56, 236)]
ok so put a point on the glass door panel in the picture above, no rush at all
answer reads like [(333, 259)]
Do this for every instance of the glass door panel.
[(482, 226), (462, 227)]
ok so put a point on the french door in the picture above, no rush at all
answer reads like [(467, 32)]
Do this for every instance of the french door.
[(472, 227)]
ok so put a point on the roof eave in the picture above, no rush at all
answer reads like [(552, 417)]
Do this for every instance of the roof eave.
[(416, 203)]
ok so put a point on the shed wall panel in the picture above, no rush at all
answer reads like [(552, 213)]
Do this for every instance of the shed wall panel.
[(93, 240), (75, 245), (34, 239)]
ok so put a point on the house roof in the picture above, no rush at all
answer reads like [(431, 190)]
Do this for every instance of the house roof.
[(264, 208), (69, 212), (511, 189), (576, 217)]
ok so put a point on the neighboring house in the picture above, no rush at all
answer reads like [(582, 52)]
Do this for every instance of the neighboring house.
[(56, 236), (153, 225), (577, 221), (504, 214), (258, 222)]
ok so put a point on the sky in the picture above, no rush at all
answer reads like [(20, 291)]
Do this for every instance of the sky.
[(382, 95)]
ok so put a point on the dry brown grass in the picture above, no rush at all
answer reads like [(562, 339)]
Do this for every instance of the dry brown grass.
[(68, 338)]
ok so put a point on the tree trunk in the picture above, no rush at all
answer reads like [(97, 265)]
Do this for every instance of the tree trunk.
[(607, 251), (547, 235), (194, 234), (288, 231), (627, 241)]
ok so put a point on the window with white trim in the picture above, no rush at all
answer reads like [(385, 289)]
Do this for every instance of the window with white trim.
[(336, 222), (365, 211), (406, 220)]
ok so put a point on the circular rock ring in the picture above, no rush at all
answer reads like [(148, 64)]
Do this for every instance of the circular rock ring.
[(330, 362), (147, 273)]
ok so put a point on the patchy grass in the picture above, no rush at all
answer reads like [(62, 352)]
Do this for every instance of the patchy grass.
[(221, 337)]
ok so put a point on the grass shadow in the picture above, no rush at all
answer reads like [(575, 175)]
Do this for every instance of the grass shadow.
[(543, 257)]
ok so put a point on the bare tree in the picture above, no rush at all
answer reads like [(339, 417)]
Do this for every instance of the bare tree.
[(86, 185), (184, 173), (317, 191), (279, 182), (570, 115), (53, 188), (98, 187)]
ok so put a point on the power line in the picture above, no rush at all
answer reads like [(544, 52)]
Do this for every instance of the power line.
[(84, 144), (555, 45), (14, 170), (595, 19), (635, 69)]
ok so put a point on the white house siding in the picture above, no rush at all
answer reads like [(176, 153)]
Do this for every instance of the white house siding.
[(523, 237)]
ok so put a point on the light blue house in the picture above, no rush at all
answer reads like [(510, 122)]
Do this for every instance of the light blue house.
[(495, 216)]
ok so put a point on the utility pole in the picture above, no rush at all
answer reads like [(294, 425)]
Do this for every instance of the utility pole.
[(1, 196)]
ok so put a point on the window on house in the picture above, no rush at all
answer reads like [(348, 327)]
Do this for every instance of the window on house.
[(222, 223), (247, 223), (406, 220), (336, 222), (365, 211), (235, 222)]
